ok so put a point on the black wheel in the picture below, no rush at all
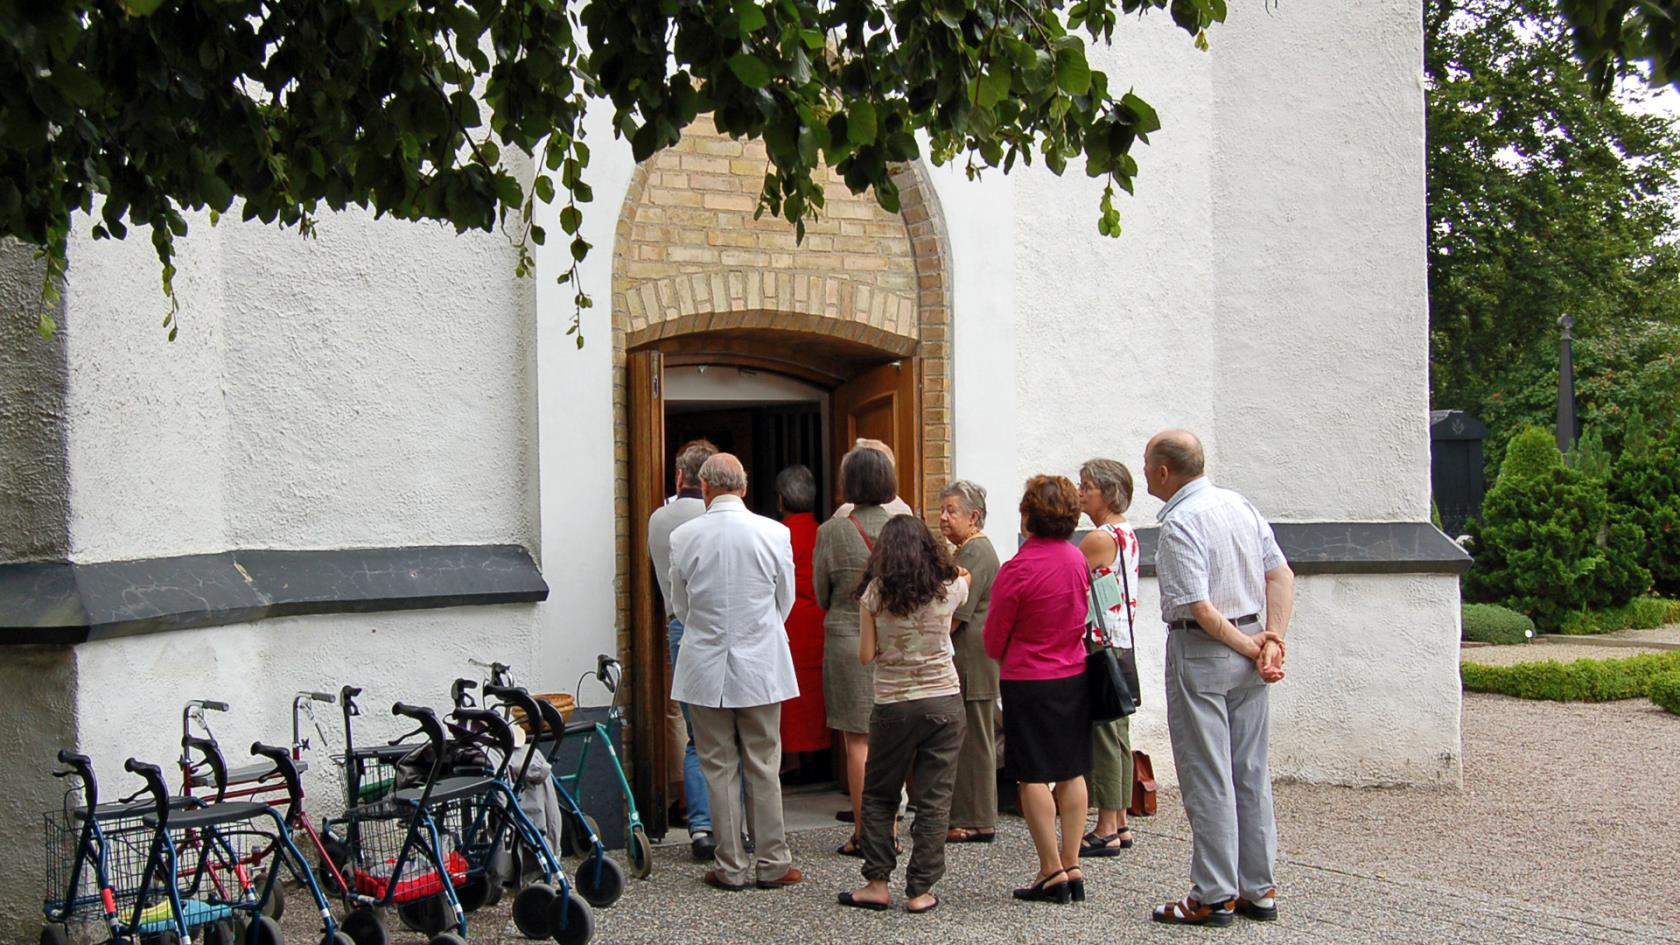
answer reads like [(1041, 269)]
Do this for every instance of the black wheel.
[(530, 910), (263, 931), (275, 907), (572, 921), (54, 935), (599, 879), (364, 927), (574, 838), (428, 916), (640, 852), (337, 938), (447, 938), (220, 932), (474, 893), (338, 854)]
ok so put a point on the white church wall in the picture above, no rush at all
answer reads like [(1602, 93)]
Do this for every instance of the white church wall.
[(32, 730), (130, 690), (575, 427), (1321, 284)]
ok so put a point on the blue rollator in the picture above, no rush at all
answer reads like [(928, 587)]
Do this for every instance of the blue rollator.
[(477, 812), (582, 835), (167, 867)]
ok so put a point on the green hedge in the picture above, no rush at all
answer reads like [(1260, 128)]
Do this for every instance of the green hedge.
[(1491, 623), (1645, 491), (1641, 613), (1579, 681), (1665, 691)]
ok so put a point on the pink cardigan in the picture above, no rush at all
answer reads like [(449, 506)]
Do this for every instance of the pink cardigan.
[(1036, 626)]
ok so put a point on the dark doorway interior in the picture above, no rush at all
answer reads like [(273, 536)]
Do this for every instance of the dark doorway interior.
[(767, 438)]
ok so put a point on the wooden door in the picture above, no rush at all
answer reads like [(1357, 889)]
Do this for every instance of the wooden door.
[(885, 404), (648, 645)]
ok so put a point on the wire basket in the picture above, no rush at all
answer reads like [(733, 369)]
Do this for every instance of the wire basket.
[(370, 774), (119, 841), (378, 833)]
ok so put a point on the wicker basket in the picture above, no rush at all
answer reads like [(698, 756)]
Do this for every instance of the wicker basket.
[(560, 700)]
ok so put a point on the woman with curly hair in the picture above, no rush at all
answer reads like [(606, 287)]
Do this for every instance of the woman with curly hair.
[(909, 592), (1036, 632)]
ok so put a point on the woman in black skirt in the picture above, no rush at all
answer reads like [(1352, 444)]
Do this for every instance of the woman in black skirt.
[(1036, 632)]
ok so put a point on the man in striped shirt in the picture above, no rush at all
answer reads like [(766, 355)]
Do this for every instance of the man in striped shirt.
[(1218, 566)]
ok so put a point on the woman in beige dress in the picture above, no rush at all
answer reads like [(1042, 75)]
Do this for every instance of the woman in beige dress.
[(867, 481)]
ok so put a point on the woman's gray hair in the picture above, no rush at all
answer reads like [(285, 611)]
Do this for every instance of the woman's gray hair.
[(971, 495), (1113, 478), (797, 488)]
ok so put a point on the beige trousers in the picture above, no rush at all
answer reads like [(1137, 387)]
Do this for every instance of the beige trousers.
[(736, 745)]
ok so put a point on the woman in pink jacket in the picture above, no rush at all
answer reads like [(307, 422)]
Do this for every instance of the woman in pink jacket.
[(1036, 632)]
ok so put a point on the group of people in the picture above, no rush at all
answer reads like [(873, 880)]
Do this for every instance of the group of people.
[(923, 643)]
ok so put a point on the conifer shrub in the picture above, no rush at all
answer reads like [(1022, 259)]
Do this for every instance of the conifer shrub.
[(1530, 453), (1491, 623), (1547, 545), (1644, 488)]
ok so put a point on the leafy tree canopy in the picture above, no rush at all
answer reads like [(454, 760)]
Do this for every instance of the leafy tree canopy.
[(1543, 201), (136, 110)]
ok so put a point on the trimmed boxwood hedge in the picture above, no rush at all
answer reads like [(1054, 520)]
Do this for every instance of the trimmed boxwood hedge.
[(1491, 623), (1579, 681), (1665, 691)]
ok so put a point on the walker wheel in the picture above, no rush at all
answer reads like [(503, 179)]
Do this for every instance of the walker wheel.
[(220, 932), (572, 921), (475, 892), (263, 931), (364, 927), (640, 852), (447, 938), (275, 907), (428, 916), (531, 910), (575, 834), (599, 879), (337, 938), (54, 935)]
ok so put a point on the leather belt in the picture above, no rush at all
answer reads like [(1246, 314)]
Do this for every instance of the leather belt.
[(1242, 621)]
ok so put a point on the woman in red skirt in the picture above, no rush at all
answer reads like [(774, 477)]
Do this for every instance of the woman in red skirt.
[(804, 719)]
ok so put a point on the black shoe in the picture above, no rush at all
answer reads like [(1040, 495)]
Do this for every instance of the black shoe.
[(1256, 910), (1188, 911), (703, 846), (1044, 891)]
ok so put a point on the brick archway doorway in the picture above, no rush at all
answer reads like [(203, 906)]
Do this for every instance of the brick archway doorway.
[(861, 309)]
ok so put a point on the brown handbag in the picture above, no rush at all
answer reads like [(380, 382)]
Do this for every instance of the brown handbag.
[(1143, 786)]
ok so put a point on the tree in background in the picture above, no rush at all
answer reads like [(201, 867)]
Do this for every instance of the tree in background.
[(137, 110), (1544, 201)]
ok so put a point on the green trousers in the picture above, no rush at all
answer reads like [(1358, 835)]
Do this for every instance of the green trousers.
[(1111, 765)]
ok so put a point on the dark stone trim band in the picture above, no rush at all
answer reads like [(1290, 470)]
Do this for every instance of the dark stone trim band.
[(64, 603), (1350, 548)]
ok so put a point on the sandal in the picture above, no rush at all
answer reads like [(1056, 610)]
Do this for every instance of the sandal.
[(969, 835), (1188, 911), (1095, 844), (925, 909), (1043, 890), (847, 899), (852, 847)]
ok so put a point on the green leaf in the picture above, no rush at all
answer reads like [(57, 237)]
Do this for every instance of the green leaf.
[(544, 188), (753, 72), (46, 326), (570, 219), (750, 15), (1144, 118), (1073, 74), (141, 7), (860, 122), (994, 85), (77, 84)]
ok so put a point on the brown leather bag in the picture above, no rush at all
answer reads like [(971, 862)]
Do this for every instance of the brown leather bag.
[(1143, 786)]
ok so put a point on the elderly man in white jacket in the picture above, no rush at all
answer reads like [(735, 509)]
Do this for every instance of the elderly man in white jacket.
[(732, 588)]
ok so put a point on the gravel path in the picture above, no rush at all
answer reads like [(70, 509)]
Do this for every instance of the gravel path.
[(1536, 849), (1540, 652)]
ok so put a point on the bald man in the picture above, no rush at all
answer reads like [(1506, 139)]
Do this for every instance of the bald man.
[(1217, 565), (732, 588)]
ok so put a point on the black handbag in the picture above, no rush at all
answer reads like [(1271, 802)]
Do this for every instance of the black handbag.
[(1111, 698)]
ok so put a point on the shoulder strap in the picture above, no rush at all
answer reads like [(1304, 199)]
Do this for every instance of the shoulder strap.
[(861, 533), (1125, 585)]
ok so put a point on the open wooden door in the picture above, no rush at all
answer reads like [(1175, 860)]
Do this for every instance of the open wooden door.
[(648, 645), (884, 404)]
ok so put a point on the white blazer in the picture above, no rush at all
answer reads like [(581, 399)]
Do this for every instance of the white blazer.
[(732, 588)]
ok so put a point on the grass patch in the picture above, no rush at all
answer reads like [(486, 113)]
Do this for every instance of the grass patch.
[(1491, 623), (1665, 691), (1578, 681), (1641, 613)]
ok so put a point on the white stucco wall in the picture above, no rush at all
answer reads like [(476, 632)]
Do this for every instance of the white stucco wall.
[(32, 731), (34, 504), (1371, 695)]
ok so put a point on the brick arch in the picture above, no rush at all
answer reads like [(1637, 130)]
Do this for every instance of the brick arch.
[(689, 259)]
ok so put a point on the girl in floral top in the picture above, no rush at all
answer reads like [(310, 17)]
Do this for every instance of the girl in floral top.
[(1111, 552), (909, 592)]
